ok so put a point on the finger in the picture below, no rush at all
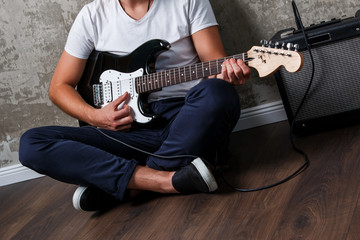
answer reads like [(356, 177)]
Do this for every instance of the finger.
[(120, 101), (122, 113), (124, 127), (245, 69), (224, 70), (124, 123), (120, 122), (237, 76), (231, 71)]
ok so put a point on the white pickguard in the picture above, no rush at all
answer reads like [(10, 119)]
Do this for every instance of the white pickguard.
[(115, 84)]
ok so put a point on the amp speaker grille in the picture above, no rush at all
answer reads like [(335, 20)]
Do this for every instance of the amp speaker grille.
[(336, 85)]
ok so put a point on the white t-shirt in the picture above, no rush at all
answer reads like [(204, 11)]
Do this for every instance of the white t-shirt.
[(104, 25)]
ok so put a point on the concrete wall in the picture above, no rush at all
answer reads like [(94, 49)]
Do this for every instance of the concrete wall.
[(33, 33)]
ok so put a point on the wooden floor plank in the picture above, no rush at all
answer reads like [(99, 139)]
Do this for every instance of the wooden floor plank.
[(321, 203), (325, 198), (354, 228)]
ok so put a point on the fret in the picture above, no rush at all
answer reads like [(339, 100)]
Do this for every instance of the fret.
[(138, 85), (192, 72), (182, 75), (187, 74), (168, 81), (153, 81), (202, 68), (206, 71), (213, 67), (194, 75), (150, 82), (177, 75), (218, 65), (145, 82), (142, 84), (166, 78), (162, 79), (173, 77), (157, 80), (145, 85), (196, 71)]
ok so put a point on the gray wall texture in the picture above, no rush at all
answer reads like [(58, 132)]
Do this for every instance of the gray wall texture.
[(33, 33)]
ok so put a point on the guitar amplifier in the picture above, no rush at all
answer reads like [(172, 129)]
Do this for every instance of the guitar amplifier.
[(334, 96)]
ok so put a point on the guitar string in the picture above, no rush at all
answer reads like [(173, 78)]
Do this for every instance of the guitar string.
[(146, 83)]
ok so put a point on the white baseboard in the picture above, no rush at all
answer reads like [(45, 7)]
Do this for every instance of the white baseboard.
[(16, 173), (250, 118), (261, 115)]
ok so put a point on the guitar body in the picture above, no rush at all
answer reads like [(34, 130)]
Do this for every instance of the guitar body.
[(103, 66)]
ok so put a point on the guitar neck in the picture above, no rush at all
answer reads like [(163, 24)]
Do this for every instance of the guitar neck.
[(158, 80)]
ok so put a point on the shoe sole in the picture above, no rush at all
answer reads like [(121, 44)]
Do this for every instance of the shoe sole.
[(207, 176), (77, 196)]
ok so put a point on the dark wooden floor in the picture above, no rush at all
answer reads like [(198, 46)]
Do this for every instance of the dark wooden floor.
[(321, 203)]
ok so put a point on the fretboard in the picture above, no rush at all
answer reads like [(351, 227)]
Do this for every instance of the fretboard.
[(158, 80)]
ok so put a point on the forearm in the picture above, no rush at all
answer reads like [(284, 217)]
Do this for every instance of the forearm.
[(69, 100), (62, 88), (208, 45)]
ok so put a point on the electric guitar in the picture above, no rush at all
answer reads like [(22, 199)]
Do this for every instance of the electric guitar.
[(107, 76)]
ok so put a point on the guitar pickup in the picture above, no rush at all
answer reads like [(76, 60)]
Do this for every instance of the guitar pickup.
[(107, 92), (98, 95)]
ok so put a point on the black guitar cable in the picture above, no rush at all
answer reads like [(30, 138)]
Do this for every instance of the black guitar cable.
[(143, 151), (298, 150)]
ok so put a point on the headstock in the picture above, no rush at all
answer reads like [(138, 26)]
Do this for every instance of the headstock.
[(267, 59)]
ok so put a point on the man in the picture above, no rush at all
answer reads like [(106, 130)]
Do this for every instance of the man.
[(198, 116)]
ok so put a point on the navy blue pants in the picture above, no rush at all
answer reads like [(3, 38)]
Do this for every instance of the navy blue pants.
[(198, 125)]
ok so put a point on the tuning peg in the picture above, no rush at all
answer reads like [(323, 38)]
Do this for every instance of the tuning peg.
[(283, 45), (277, 45), (264, 43), (296, 46), (290, 46), (271, 44)]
